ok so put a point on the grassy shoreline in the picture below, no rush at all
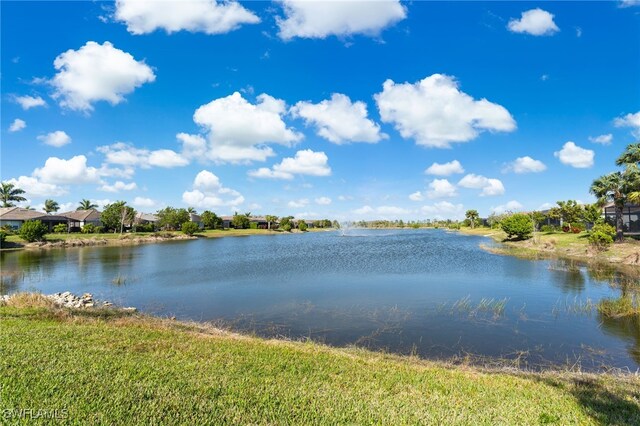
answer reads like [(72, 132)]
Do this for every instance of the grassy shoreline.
[(14, 242), (105, 366), (563, 245)]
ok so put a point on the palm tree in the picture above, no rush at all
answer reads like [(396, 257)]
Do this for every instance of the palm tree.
[(631, 155), (9, 193), (86, 205), (270, 218), (191, 210), (472, 215), (630, 159), (614, 187), (51, 206)]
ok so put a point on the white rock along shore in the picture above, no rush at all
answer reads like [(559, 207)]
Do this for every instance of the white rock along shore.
[(70, 300)]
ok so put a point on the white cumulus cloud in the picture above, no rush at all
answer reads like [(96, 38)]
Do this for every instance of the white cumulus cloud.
[(144, 202), (209, 193), (446, 169), (34, 187), (339, 120), (57, 138), (129, 156), (436, 113), (320, 19), (441, 188), (28, 102), (443, 210), (17, 125), (119, 186), (489, 187), (536, 22), (602, 139), (416, 196), (382, 212), (510, 206), (525, 165), (207, 16), (575, 156), (323, 201), (97, 72), (296, 204), (629, 120), (305, 162), (238, 131), (72, 171)]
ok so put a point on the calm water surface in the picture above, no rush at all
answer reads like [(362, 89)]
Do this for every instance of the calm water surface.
[(417, 291)]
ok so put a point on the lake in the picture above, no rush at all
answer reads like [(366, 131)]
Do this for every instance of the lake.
[(431, 293)]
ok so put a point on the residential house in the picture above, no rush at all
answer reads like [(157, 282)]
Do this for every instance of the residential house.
[(630, 217), (146, 218), (257, 222), (196, 218), (79, 218), (14, 217)]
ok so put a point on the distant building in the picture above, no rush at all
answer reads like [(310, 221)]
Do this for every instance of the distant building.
[(552, 221), (197, 219), (258, 222), (145, 218), (79, 218), (14, 217)]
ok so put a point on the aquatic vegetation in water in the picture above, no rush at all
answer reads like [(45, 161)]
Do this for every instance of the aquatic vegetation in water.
[(119, 280), (485, 305), (576, 306), (623, 306)]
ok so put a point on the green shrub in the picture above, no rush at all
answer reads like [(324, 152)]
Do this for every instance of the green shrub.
[(7, 230), (302, 225), (549, 228), (89, 228), (190, 228), (99, 229), (33, 230), (3, 236), (601, 236), (145, 227), (286, 227), (517, 225), (60, 228)]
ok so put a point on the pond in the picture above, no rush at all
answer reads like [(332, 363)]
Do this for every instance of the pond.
[(430, 293)]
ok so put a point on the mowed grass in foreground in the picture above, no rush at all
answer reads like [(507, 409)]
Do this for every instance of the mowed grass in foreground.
[(109, 368)]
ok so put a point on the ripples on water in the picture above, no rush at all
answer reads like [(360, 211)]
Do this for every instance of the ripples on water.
[(425, 292)]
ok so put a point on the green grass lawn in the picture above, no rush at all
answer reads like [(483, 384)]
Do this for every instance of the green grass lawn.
[(108, 368), (563, 244), (81, 236)]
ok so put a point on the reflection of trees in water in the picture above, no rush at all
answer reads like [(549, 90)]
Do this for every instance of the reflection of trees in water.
[(569, 275), (627, 328), (115, 263), (9, 281), (27, 265), (617, 278), (116, 255)]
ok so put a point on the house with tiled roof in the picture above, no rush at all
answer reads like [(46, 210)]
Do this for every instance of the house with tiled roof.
[(14, 217), (79, 218)]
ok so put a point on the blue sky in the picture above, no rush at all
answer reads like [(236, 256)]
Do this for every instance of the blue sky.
[(282, 107)]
